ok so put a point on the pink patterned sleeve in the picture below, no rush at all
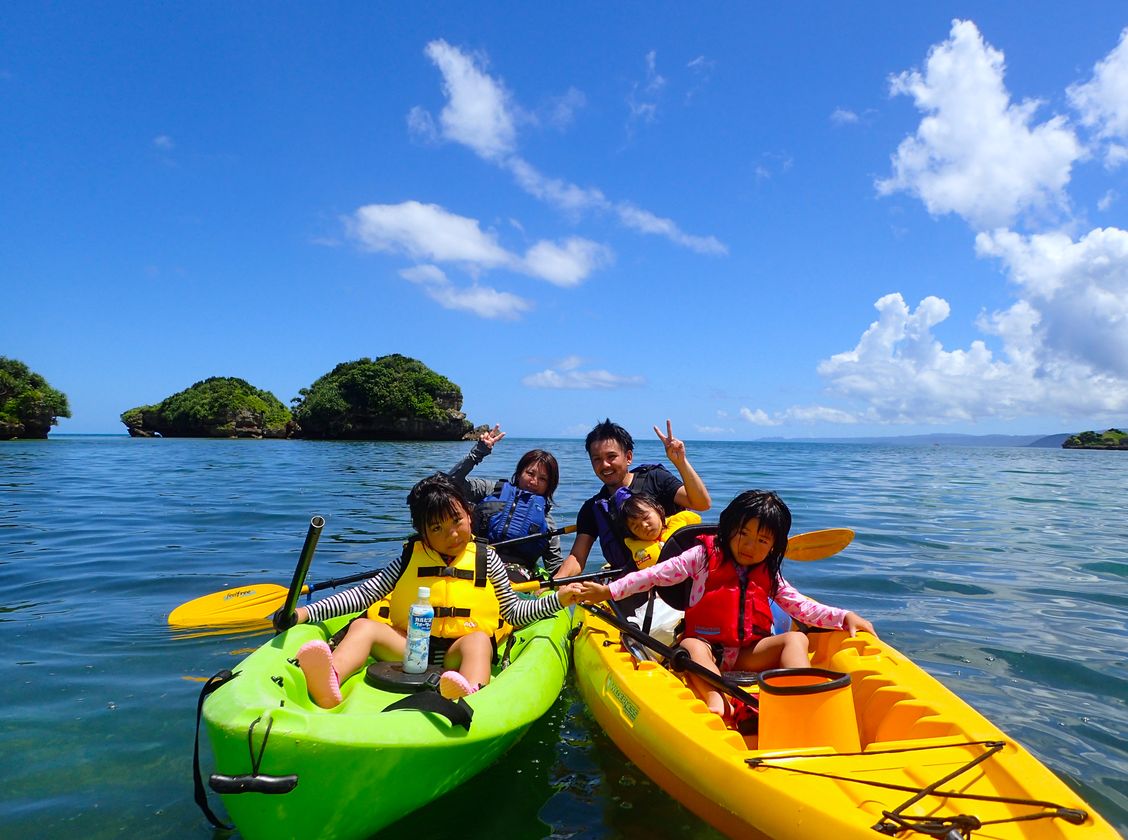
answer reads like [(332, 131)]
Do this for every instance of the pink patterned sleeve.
[(804, 609), (690, 563)]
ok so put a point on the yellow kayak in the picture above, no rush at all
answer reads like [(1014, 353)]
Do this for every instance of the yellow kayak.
[(862, 744)]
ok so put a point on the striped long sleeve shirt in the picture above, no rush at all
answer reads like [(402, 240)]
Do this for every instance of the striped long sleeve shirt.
[(517, 611)]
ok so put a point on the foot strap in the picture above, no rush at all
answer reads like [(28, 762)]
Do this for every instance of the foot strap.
[(458, 712)]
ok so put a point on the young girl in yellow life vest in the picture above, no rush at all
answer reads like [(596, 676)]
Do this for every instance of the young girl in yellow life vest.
[(649, 527), (469, 616)]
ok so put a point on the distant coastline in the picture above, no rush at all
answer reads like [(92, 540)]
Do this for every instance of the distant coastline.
[(1053, 441)]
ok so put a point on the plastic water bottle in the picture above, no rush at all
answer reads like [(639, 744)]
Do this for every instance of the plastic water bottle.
[(418, 649)]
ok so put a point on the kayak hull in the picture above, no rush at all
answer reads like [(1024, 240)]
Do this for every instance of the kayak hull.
[(359, 767), (911, 730)]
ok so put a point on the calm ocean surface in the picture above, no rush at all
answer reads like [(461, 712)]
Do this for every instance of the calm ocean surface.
[(1003, 572)]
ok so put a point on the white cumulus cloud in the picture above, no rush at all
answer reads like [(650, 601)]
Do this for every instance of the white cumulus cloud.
[(976, 153), (568, 374), (428, 232), (1061, 348), (481, 113), (1102, 102), (477, 112), (1079, 290), (1064, 343), (479, 300), (567, 263), (431, 234)]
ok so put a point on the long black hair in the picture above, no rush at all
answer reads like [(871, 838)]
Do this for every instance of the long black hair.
[(434, 499), (773, 516)]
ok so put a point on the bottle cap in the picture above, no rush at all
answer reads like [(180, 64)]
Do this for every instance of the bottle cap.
[(425, 593)]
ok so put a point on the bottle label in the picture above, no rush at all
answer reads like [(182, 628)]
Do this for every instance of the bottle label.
[(417, 651)]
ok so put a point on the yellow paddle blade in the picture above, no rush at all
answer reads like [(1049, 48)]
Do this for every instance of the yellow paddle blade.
[(239, 605), (818, 545)]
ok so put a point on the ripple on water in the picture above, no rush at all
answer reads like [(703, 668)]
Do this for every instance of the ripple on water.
[(999, 571)]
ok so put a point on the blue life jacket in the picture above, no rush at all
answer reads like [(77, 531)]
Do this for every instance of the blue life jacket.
[(509, 512), (611, 531)]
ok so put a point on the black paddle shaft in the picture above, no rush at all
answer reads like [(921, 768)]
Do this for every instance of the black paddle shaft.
[(677, 657), (302, 569)]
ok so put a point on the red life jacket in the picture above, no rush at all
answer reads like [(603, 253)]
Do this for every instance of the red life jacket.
[(728, 614)]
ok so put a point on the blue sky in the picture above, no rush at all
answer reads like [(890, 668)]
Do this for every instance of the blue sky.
[(758, 221)]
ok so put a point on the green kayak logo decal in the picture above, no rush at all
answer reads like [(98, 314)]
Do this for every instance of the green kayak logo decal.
[(628, 707)]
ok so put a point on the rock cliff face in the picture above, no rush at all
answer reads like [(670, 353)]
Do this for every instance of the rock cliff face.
[(28, 428), (242, 423), (453, 425)]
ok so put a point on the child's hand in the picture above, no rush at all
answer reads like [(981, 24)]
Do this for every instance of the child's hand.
[(489, 438), (593, 593), (285, 622), (675, 449), (854, 622), (569, 594)]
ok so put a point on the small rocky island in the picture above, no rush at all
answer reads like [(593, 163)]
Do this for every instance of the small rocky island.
[(1108, 439), (219, 407), (390, 398), (29, 407)]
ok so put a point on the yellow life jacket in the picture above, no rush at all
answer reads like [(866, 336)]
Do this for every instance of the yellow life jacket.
[(645, 552), (461, 592)]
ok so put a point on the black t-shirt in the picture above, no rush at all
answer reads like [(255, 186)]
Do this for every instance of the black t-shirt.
[(657, 481)]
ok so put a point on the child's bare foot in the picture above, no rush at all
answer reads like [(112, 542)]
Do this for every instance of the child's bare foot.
[(453, 685), (316, 661)]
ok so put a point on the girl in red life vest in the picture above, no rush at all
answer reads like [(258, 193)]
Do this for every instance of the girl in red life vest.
[(735, 575)]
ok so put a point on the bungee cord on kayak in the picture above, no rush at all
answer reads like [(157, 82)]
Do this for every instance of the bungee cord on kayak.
[(895, 821)]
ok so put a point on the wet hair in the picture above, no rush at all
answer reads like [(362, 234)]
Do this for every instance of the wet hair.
[(609, 431), (434, 499), (637, 504), (774, 517), (540, 456)]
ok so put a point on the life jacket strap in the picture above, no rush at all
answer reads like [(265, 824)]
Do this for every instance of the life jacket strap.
[(452, 612), (445, 571)]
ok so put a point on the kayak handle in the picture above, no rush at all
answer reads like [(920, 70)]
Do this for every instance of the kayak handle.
[(252, 783)]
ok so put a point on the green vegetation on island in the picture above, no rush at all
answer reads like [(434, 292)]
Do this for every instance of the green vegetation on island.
[(221, 406), (29, 407), (1108, 439), (393, 397)]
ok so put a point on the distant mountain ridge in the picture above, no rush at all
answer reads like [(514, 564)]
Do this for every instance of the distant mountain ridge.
[(1041, 441)]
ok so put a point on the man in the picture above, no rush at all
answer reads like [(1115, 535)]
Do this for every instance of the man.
[(611, 450)]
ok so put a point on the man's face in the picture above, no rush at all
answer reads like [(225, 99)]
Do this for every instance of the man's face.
[(610, 463)]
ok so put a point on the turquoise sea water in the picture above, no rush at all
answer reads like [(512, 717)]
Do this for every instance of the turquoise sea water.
[(1004, 572)]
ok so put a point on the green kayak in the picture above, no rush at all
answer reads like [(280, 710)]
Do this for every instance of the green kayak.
[(349, 771)]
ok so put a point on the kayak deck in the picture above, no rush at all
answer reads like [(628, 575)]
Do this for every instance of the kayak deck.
[(911, 733), (360, 767)]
